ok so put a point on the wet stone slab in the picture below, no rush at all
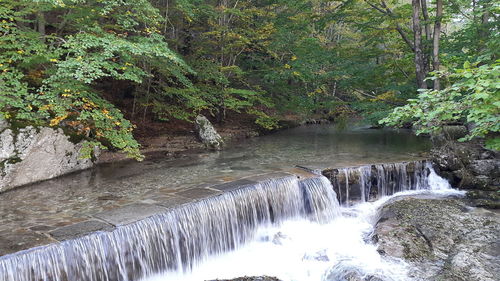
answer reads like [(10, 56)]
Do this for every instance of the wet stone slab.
[(198, 193), (80, 229), (302, 172), (11, 242), (233, 185), (129, 213), (173, 202), (270, 176)]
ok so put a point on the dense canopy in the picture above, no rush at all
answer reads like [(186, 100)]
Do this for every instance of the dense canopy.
[(94, 67)]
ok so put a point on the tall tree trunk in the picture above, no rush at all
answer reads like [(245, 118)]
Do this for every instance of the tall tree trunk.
[(417, 35), (435, 43), (428, 36), (40, 20), (484, 31)]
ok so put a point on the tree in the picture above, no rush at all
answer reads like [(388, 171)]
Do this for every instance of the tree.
[(473, 97), (51, 70)]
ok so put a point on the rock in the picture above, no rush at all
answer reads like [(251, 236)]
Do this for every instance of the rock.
[(442, 239), (349, 273), (129, 213), (486, 167), (80, 229), (278, 238), (468, 165), (316, 121), (445, 160), (455, 131), (484, 198), (449, 133), (207, 133), (3, 123), (7, 145), (31, 154)]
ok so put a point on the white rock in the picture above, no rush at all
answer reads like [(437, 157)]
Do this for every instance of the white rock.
[(207, 133), (3, 124), (32, 155)]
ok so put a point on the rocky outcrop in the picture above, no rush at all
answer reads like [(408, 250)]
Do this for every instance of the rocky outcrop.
[(207, 133), (442, 239), (470, 166), (31, 154)]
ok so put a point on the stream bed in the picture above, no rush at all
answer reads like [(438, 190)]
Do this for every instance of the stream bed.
[(245, 211), (29, 213)]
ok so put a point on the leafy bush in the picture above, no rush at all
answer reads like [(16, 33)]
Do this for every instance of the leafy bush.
[(473, 97)]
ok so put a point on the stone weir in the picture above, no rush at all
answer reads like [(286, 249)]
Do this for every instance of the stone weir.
[(369, 182), (174, 237), (138, 240)]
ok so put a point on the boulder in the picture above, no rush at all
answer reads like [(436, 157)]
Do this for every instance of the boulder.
[(31, 154), (207, 133), (489, 167), (442, 239), (468, 165)]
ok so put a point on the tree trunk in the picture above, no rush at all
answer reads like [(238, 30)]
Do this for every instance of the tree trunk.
[(484, 32), (428, 36), (435, 45), (419, 57), (40, 19)]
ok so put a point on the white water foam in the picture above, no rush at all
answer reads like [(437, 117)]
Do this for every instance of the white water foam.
[(303, 250)]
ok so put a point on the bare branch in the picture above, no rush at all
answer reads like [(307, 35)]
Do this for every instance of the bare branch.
[(388, 12)]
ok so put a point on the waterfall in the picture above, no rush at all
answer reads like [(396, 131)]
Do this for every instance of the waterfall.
[(367, 183), (177, 239)]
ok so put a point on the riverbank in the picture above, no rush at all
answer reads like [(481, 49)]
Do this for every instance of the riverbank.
[(175, 139)]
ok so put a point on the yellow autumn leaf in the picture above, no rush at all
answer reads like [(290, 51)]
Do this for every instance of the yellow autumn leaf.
[(57, 120)]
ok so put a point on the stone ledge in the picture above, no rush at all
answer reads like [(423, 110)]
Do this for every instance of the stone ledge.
[(233, 185), (80, 229), (173, 202), (270, 176), (129, 213), (198, 193)]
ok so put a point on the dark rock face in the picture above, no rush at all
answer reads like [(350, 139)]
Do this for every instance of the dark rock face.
[(443, 239), (470, 166)]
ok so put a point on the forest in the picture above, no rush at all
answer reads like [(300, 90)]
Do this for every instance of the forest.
[(99, 69)]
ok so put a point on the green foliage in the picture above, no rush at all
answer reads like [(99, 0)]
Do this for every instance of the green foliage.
[(52, 79), (373, 111), (85, 65), (472, 97)]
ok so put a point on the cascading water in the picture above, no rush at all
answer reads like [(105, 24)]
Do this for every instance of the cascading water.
[(179, 239), (289, 228), (367, 183), (303, 250)]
